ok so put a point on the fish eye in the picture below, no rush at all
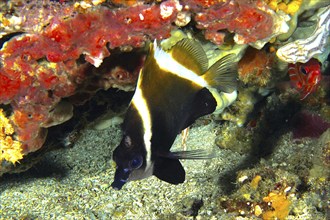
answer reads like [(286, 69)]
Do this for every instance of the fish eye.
[(303, 70), (136, 162)]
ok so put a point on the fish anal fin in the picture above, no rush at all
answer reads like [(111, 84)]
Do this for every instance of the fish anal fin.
[(169, 170), (190, 54), (222, 75)]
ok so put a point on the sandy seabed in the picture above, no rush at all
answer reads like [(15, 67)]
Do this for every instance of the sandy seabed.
[(74, 183)]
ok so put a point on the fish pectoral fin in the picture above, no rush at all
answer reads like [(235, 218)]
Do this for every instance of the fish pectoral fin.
[(223, 74), (192, 155), (169, 170)]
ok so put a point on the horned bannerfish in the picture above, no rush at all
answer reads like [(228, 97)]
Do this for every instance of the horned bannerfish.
[(174, 88)]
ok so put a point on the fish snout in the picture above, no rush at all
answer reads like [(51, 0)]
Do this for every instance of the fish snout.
[(121, 177)]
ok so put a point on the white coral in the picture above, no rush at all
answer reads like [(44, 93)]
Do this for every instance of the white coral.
[(303, 50)]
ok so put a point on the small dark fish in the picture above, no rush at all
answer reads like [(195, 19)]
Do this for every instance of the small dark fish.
[(173, 90)]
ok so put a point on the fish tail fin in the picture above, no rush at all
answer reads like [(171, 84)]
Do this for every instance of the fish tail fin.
[(223, 74)]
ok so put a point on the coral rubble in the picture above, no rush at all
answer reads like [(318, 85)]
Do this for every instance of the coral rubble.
[(262, 193)]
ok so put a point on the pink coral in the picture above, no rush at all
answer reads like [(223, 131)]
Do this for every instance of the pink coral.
[(247, 19)]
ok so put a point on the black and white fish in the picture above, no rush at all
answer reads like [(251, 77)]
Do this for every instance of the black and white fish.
[(174, 88)]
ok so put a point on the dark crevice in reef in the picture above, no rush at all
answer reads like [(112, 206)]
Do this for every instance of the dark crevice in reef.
[(7, 37), (65, 135)]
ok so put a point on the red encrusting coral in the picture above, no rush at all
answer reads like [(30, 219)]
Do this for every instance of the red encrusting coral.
[(8, 87), (247, 19), (38, 69)]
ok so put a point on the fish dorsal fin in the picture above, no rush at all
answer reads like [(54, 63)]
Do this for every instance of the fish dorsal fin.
[(223, 74), (169, 170), (191, 55)]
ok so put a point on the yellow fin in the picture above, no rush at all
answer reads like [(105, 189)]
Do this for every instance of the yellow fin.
[(223, 74), (191, 55)]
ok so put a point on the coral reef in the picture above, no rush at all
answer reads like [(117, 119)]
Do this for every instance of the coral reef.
[(237, 139), (288, 7), (320, 173), (62, 63), (244, 106), (237, 17), (255, 67), (263, 192), (41, 66), (302, 50), (56, 55), (282, 186), (10, 149), (280, 203)]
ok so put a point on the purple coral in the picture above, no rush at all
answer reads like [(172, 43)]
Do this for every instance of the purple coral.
[(307, 124)]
